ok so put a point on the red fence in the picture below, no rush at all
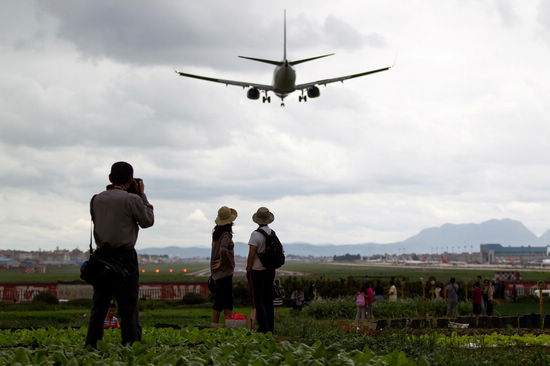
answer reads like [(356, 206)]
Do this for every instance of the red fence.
[(522, 288), (165, 291)]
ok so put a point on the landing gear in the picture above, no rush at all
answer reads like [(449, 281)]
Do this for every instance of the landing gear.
[(302, 97), (266, 98), (282, 104)]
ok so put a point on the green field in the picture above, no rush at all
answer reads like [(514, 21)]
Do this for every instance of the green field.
[(69, 273), (334, 270), (300, 339)]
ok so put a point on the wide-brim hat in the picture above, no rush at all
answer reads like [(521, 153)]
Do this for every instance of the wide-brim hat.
[(263, 216), (226, 215)]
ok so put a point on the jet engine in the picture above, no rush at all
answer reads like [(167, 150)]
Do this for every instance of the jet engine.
[(253, 93), (313, 92)]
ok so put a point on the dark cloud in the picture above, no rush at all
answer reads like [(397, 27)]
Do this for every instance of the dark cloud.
[(182, 33), (161, 32)]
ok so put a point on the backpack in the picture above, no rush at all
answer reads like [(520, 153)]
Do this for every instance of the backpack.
[(360, 300), (273, 256)]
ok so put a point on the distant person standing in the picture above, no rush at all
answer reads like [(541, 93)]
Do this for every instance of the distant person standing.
[(490, 297), (485, 289), (452, 298), (370, 300), (361, 305), (378, 291), (393, 292), (261, 278), (479, 280), (117, 214), (222, 262), (298, 297), (278, 294), (477, 294)]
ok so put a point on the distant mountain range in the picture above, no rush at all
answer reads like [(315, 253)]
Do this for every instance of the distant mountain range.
[(449, 237)]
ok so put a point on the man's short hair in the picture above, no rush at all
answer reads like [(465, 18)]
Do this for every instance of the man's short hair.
[(121, 172)]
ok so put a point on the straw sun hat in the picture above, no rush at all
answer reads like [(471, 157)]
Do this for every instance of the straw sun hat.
[(263, 216), (226, 215)]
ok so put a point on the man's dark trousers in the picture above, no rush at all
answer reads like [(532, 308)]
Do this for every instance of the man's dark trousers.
[(262, 298), (126, 297)]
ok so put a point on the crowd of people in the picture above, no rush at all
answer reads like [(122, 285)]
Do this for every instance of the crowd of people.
[(482, 297)]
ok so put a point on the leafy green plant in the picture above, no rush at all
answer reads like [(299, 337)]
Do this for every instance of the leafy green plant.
[(193, 299), (45, 297)]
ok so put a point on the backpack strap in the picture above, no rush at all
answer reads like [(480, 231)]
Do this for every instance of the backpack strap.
[(264, 233)]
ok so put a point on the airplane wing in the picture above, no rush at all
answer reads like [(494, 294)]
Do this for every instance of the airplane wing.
[(341, 78), (227, 82)]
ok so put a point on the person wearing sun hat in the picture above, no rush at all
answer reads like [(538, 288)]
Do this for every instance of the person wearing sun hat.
[(222, 262), (259, 277)]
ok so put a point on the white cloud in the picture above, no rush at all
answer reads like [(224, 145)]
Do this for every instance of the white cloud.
[(456, 132)]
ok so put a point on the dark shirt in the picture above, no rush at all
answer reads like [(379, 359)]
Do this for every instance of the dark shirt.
[(379, 290), (222, 250)]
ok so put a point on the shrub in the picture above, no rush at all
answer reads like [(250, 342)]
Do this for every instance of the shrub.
[(465, 308), (241, 293), (528, 299), (193, 299), (407, 308), (344, 308), (340, 308), (156, 304), (45, 297), (81, 303)]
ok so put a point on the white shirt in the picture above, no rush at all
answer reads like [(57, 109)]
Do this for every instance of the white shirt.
[(258, 240)]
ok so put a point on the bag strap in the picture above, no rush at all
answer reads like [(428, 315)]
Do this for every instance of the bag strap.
[(92, 223)]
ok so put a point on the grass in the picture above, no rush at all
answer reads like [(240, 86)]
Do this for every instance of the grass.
[(27, 315), (333, 270), (69, 273), (513, 309)]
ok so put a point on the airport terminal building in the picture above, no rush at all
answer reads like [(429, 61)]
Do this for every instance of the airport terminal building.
[(496, 253)]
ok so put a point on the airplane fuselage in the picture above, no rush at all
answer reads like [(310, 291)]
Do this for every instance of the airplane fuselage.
[(284, 80)]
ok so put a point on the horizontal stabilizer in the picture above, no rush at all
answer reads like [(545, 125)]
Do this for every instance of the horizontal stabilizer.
[(276, 63), (308, 59)]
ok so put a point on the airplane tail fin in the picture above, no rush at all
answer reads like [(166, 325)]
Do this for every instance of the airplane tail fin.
[(284, 54), (279, 63)]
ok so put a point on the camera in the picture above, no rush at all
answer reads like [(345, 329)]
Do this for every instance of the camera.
[(135, 186)]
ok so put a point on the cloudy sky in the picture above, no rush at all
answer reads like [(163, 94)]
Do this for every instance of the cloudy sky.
[(457, 132)]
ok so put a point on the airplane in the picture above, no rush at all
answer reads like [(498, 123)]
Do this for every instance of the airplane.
[(284, 78)]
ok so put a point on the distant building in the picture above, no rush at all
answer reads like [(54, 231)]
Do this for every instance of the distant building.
[(496, 253)]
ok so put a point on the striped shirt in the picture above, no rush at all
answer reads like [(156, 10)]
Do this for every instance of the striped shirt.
[(109, 323)]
